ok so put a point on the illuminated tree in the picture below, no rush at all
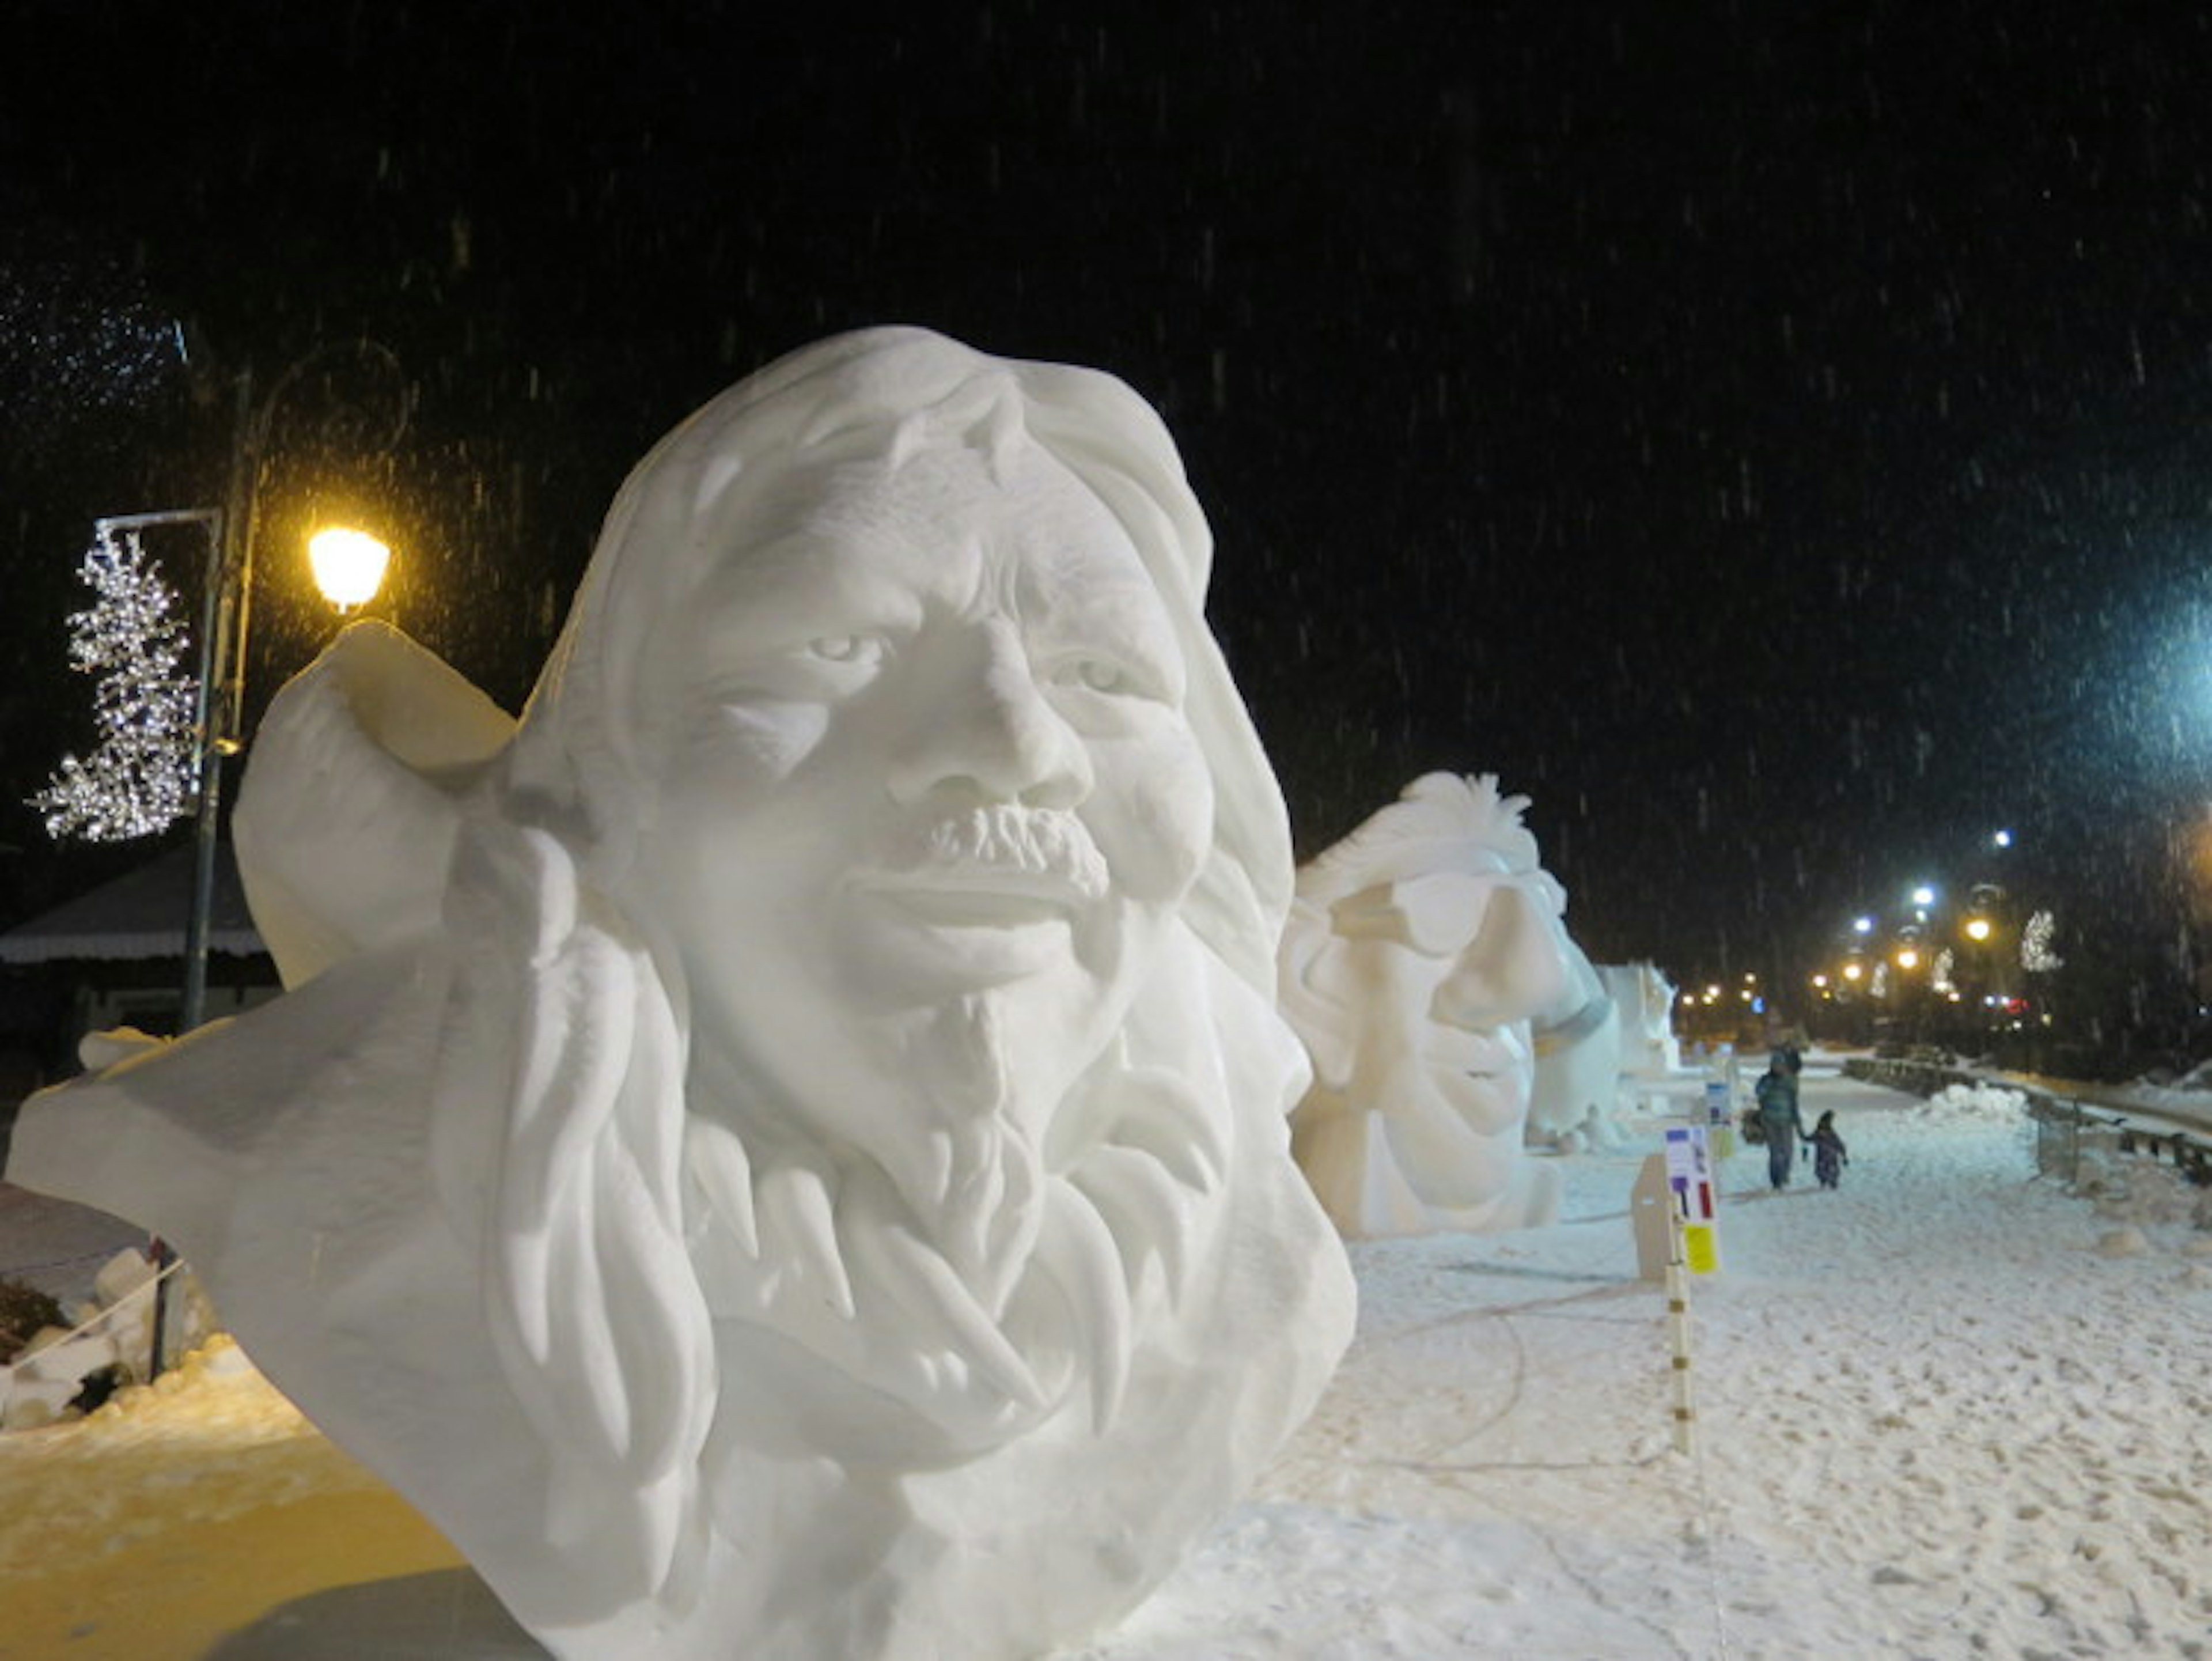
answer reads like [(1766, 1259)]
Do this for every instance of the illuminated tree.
[(138, 779)]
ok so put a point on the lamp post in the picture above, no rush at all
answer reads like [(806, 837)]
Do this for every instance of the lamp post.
[(219, 724)]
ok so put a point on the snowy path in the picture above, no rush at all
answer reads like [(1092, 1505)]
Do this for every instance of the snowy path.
[(1935, 1421)]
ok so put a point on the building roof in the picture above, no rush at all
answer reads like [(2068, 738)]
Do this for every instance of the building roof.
[(141, 914)]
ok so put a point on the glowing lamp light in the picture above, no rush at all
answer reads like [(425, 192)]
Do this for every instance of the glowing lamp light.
[(349, 566), (1852, 971), (1908, 958), (1923, 895), (1862, 926), (1978, 928)]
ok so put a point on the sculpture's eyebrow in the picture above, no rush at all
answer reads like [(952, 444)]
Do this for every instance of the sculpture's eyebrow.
[(1125, 619), (794, 584)]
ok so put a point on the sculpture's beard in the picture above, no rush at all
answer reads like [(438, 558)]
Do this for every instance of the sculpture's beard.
[(977, 1290)]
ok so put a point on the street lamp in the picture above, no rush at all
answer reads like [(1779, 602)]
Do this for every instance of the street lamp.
[(348, 565)]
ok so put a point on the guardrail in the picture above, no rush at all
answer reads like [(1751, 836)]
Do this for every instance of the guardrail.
[(2064, 1125)]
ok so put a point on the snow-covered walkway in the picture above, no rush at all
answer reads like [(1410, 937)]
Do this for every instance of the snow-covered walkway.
[(1935, 1420)]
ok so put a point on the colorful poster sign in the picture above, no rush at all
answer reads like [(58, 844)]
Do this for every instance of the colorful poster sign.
[(1697, 1198), (1717, 1101)]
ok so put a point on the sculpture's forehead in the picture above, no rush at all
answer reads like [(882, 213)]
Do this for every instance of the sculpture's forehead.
[(841, 529)]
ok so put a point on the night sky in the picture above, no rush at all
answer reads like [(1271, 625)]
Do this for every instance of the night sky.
[(1778, 449)]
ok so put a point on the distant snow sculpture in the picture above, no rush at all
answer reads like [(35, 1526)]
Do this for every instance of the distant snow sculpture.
[(1577, 1044), (1649, 1048), (1418, 951), (781, 1152)]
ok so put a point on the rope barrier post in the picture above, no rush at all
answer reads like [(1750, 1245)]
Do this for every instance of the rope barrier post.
[(1678, 1343), (1692, 1247)]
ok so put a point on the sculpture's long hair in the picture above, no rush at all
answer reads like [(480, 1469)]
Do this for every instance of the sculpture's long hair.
[(597, 1311), (593, 1309)]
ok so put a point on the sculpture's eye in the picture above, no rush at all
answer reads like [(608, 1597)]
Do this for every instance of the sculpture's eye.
[(860, 651), (1100, 675)]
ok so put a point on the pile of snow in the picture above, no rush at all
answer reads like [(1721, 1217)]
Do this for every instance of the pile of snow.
[(1981, 1101), (2137, 1188), (2197, 1080), (113, 1332)]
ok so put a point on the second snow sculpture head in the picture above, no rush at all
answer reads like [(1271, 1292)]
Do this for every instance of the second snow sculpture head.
[(841, 1068), (1418, 952)]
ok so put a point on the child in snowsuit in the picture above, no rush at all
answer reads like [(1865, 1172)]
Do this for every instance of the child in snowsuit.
[(1829, 1156)]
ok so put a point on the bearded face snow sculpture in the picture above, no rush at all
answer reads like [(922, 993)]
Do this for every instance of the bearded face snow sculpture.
[(782, 1152), (1418, 951)]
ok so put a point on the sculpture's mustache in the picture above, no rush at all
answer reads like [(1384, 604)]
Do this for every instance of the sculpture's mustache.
[(999, 846)]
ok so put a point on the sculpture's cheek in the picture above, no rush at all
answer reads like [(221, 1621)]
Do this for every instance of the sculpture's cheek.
[(1152, 812), (738, 748)]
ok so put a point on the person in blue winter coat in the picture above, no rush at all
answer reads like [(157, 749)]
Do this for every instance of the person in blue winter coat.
[(1829, 1156), (1778, 1117)]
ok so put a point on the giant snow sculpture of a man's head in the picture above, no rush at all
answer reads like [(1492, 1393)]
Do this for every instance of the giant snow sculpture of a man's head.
[(840, 1067), (1418, 951)]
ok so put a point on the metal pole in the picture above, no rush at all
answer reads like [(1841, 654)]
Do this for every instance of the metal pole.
[(215, 708)]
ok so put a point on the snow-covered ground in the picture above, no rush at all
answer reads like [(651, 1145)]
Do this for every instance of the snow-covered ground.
[(1952, 1410)]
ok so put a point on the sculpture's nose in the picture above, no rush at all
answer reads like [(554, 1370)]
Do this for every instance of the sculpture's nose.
[(989, 733), (1512, 968)]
